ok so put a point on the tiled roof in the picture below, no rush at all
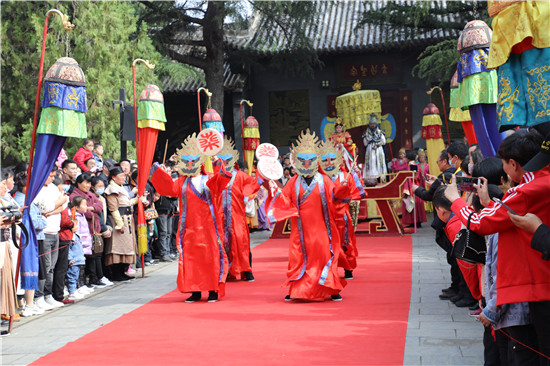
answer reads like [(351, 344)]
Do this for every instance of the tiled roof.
[(231, 81), (334, 31)]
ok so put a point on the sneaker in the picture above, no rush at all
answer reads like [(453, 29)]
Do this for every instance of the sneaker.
[(82, 291), (337, 297), (196, 296), (166, 258), (41, 303), (53, 302), (16, 317), (67, 301), (130, 271), (104, 280), (174, 256), (31, 310), (65, 292), (288, 298), (76, 296), (212, 296), (97, 284), (348, 275), (152, 261)]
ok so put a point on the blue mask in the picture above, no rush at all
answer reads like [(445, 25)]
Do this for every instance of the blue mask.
[(100, 191)]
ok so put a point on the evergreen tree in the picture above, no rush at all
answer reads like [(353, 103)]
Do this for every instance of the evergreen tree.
[(105, 41), (194, 33), (437, 63)]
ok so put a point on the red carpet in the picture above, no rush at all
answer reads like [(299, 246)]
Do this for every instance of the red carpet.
[(252, 325)]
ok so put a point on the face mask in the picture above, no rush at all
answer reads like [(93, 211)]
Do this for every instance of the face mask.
[(100, 191)]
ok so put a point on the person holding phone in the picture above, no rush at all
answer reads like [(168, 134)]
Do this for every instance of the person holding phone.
[(523, 274)]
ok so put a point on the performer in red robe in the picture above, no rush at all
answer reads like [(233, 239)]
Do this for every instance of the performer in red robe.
[(237, 235), (331, 164), (202, 264), (312, 200)]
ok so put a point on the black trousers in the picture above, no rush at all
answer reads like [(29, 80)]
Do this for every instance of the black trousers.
[(491, 353), (518, 354), (455, 272), (60, 270), (540, 316), (94, 269)]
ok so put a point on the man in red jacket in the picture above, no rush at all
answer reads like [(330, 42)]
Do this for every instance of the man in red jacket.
[(523, 276), (84, 153)]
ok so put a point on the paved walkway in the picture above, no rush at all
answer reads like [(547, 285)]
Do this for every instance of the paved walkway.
[(438, 332)]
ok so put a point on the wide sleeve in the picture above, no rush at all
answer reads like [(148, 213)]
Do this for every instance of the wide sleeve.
[(251, 185), (493, 218), (280, 205), (164, 184)]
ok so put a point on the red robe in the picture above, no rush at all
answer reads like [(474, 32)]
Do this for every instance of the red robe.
[(346, 231), (312, 270), (237, 236), (202, 263)]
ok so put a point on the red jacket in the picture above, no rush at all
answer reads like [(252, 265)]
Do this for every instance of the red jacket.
[(81, 156), (66, 226), (470, 271), (523, 276)]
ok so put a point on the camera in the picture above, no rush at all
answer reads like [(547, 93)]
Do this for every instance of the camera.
[(11, 213)]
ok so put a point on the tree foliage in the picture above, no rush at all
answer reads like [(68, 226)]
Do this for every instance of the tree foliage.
[(437, 63), (196, 33), (105, 41)]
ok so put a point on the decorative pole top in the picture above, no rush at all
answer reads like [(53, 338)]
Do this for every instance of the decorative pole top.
[(64, 18), (357, 86), (146, 62)]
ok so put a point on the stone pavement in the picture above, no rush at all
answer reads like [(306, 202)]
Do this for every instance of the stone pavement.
[(438, 333)]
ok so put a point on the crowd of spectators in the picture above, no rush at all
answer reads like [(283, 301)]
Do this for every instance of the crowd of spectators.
[(515, 308)]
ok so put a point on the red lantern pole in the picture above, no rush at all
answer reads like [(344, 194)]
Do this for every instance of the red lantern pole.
[(151, 67)]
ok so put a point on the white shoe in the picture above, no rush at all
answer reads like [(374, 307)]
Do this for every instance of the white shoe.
[(53, 302), (65, 292), (41, 303), (76, 296), (31, 310), (90, 289), (106, 282), (82, 291)]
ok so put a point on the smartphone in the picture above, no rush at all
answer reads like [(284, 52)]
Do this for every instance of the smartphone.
[(414, 168), (504, 205), (466, 184)]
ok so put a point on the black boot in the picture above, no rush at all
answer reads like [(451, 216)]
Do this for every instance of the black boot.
[(348, 275), (196, 296)]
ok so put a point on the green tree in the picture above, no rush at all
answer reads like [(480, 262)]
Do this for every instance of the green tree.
[(105, 41), (196, 33), (436, 63)]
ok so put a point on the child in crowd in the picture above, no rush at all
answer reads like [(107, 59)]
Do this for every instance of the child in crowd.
[(81, 240)]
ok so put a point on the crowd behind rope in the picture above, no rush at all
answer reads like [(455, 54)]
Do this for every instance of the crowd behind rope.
[(85, 222), (85, 225)]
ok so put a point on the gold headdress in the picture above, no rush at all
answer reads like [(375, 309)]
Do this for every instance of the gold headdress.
[(228, 154), (305, 153), (330, 158), (190, 159)]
